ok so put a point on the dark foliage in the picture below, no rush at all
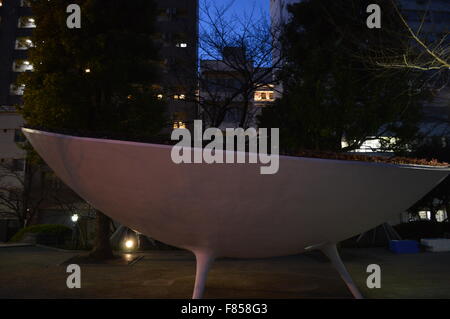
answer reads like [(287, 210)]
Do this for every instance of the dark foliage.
[(332, 91)]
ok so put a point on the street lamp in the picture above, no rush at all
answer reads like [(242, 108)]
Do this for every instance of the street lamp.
[(75, 218), (129, 244)]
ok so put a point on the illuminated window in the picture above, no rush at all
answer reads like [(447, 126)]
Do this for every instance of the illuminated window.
[(27, 22), (23, 43), (17, 89), (264, 96), (425, 215), (182, 45), (179, 124), (22, 66)]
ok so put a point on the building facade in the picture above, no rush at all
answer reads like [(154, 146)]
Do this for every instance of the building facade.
[(177, 26), (16, 25), (177, 36), (221, 88)]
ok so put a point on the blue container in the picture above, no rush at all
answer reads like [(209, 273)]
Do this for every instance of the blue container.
[(404, 246)]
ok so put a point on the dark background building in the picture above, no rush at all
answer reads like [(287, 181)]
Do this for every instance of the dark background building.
[(177, 25), (16, 25), (177, 37)]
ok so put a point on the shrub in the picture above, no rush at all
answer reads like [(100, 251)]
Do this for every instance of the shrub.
[(58, 231)]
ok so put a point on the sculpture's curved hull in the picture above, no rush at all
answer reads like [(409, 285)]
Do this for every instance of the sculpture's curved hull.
[(231, 210)]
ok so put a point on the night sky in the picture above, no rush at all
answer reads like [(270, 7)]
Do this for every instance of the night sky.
[(240, 6)]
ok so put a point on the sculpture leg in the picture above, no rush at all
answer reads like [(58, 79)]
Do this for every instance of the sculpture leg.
[(204, 262), (331, 252)]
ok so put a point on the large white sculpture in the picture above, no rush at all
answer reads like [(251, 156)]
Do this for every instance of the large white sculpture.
[(231, 210)]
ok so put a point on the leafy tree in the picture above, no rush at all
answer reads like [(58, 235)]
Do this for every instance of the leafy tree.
[(98, 78), (332, 92)]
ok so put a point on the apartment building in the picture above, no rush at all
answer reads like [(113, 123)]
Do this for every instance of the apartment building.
[(16, 25), (429, 17), (177, 27), (221, 83), (177, 35)]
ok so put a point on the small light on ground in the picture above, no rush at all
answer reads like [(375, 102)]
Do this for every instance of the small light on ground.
[(129, 244)]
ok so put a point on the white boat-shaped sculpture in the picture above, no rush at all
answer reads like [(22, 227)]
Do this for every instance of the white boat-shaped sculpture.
[(231, 210)]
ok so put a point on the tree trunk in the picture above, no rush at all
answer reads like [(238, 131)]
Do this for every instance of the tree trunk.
[(102, 246)]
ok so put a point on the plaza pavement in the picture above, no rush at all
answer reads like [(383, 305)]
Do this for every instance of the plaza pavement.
[(39, 272)]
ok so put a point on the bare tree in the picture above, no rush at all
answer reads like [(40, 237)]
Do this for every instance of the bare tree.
[(27, 189), (20, 195), (424, 54), (236, 59)]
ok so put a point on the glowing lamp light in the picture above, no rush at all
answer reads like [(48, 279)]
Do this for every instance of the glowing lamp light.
[(129, 244), (87, 70), (75, 218)]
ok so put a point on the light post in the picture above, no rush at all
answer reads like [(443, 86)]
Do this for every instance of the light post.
[(74, 219)]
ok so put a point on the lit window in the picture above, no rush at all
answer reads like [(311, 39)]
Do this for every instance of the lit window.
[(425, 215), (182, 45), (27, 22), (265, 96), (23, 43), (22, 66), (17, 89), (179, 125)]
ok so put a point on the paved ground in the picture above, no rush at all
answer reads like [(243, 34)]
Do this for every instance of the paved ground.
[(36, 272)]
